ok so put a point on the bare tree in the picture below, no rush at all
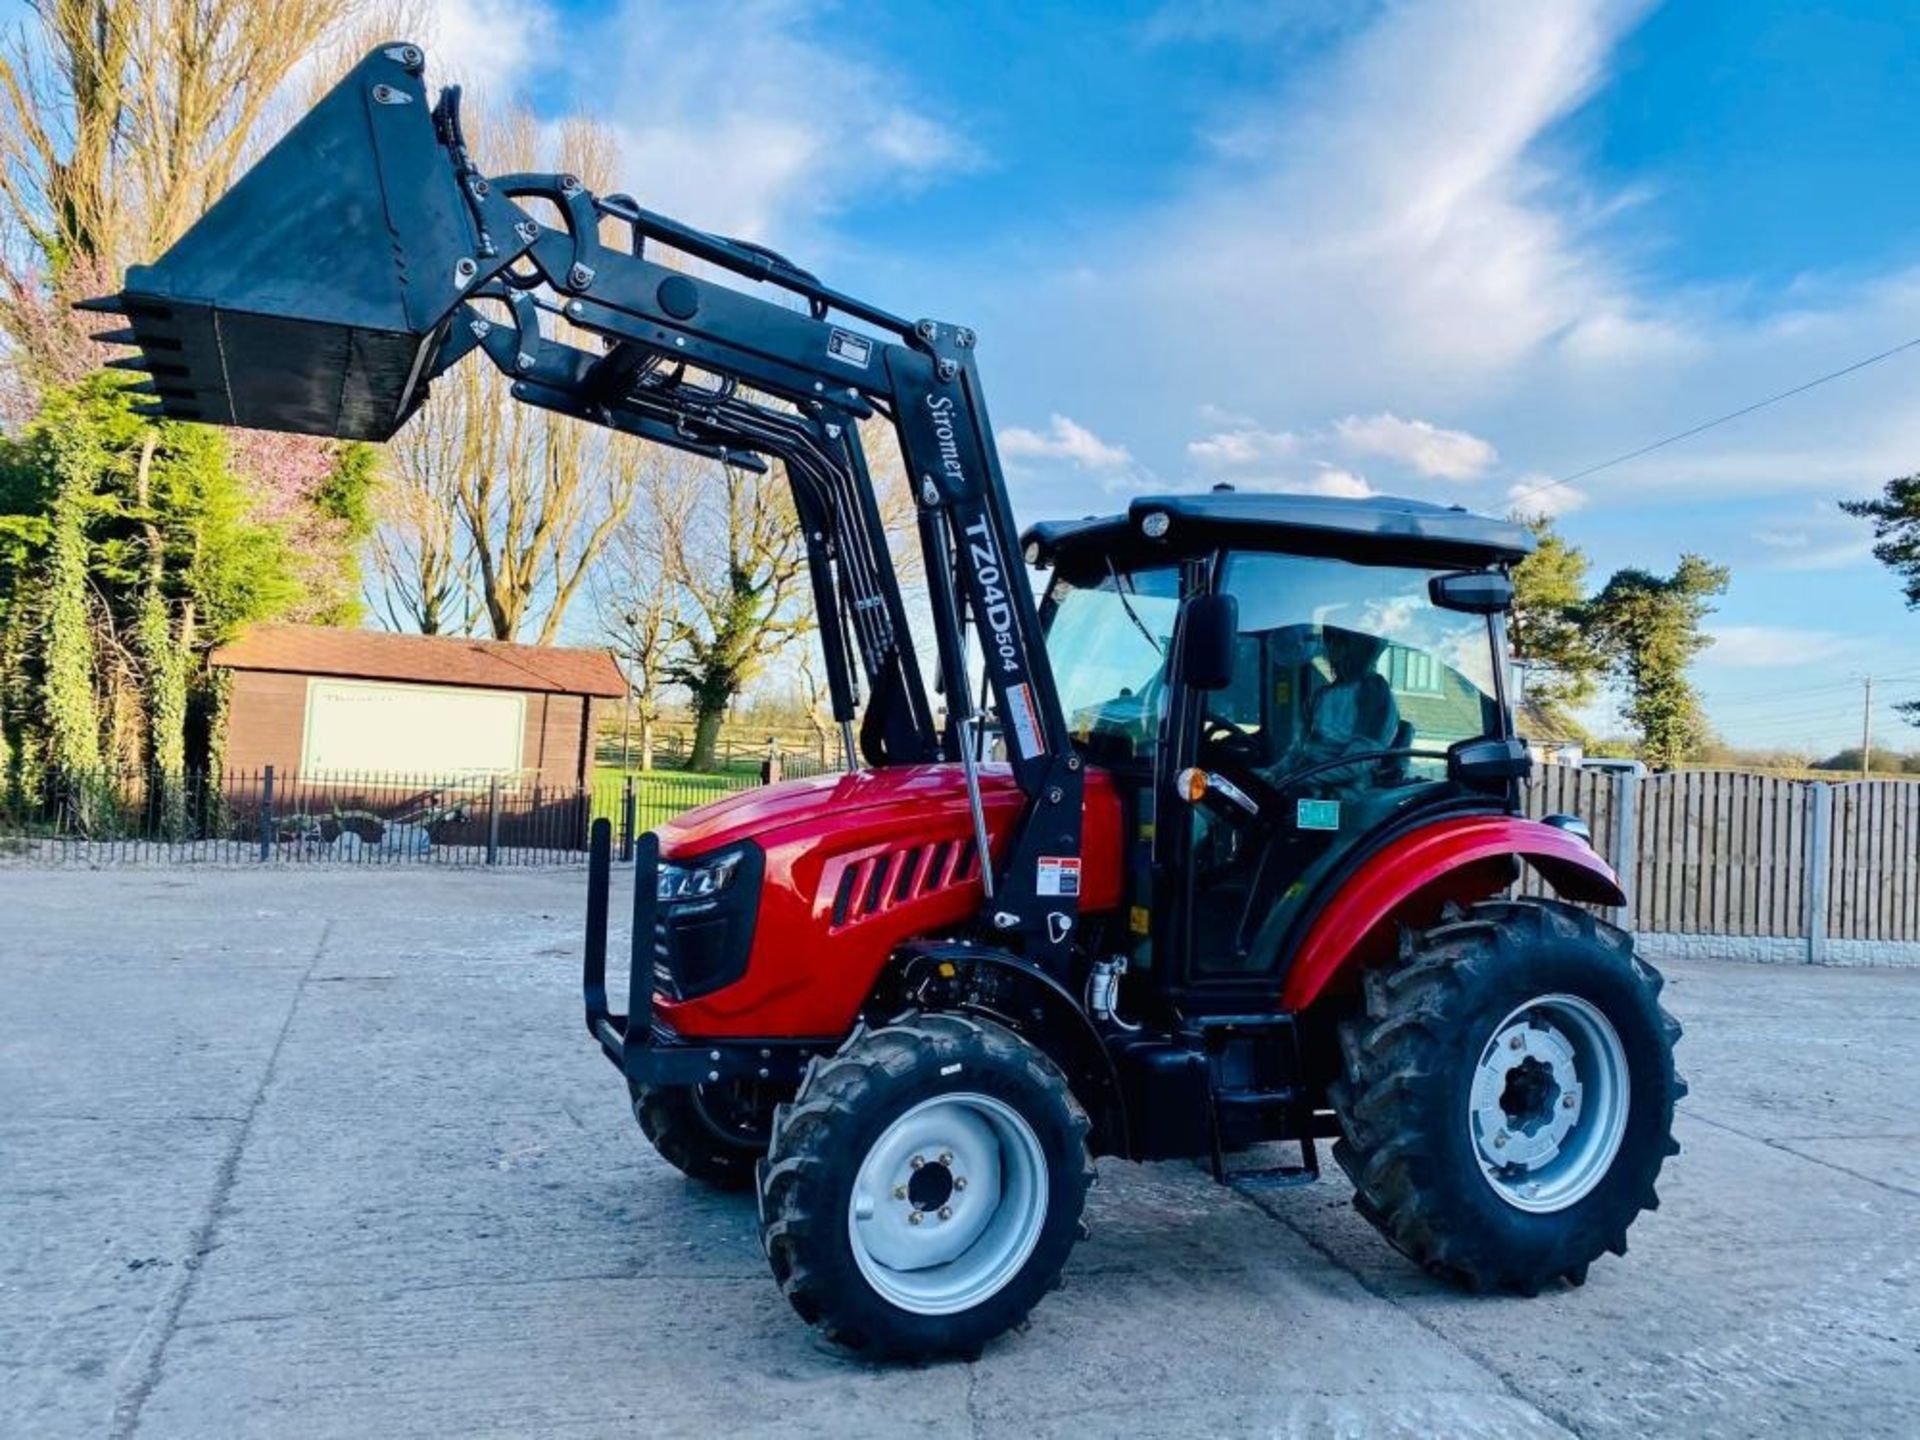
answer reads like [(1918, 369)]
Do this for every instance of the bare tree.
[(702, 584), (492, 504), (419, 580), (635, 605), (120, 122), (811, 688)]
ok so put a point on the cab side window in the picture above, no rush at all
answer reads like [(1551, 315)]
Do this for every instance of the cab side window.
[(1343, 660)]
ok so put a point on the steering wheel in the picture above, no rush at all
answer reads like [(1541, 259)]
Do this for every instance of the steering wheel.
[(1227, 741)]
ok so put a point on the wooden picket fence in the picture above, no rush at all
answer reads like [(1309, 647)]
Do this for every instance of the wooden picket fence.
[(1721, 852)]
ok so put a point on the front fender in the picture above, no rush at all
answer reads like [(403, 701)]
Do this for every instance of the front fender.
[(1407, 881), (1004, 988)]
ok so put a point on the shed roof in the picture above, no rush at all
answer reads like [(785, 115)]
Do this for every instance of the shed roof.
[(1540, 725), (423, 659)]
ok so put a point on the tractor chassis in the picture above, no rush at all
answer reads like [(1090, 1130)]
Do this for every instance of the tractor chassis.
[(1218, 1086)]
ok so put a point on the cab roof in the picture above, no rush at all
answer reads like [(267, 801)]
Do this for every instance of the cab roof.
[(1378, 530)]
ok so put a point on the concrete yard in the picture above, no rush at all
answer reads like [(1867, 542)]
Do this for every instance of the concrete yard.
[(329, 1154)]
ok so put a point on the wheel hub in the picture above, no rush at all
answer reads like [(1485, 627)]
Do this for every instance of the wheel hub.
[(948, 1203), (1548, 1105), (931, 1187)]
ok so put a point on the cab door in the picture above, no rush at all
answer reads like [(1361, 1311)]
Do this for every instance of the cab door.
[(1350, 684)]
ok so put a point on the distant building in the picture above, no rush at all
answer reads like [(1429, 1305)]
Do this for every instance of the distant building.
[(1548, 741), (316, 701)]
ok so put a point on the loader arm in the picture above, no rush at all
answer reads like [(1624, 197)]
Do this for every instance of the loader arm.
[(366, 254)]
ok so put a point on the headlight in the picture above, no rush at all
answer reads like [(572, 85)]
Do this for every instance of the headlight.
[(698, 881)]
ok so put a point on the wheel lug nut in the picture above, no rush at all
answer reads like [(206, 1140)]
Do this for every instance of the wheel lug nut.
[(917, 1161), (946, 1157), (1500, 1140), (1566, 1102), (915, 1218), (959, 1182), (899, 1192), (1518, 1042), (946, 1212)]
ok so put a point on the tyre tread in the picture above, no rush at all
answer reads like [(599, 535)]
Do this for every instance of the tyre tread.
[(805, 1145), (1398, 1040)]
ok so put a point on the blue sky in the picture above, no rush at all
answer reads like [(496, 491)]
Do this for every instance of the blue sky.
[(1451, 250)]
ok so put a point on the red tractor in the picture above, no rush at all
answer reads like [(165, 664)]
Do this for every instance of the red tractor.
[(1219, 854)]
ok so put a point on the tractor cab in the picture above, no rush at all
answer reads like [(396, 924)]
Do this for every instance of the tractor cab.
[(1277, 683)]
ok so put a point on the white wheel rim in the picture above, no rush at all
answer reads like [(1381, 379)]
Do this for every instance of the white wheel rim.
[(948, 1204), (1548, 1109)]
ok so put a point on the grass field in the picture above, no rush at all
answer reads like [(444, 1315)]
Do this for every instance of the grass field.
[(659, 795)]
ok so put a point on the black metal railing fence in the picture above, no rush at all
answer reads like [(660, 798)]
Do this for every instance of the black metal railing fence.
[(364, 818)]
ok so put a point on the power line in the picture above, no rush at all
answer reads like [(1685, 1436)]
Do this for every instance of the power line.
[(1790, 706), (1706, 425), (1788, 691)]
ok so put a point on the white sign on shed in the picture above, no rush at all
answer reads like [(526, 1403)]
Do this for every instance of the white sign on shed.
[(362, 726)]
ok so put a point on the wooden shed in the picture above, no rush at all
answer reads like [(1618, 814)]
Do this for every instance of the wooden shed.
[(316, 701)]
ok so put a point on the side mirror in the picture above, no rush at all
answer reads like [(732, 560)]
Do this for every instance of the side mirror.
[(1209, 636), (1478, 592), (1488, 764)]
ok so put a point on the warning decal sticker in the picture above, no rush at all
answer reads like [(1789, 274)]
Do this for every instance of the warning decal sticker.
[(1058, 875), (1023, 716), (853, 349)]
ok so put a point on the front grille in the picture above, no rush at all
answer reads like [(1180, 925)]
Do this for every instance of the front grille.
[(662, 968), (873, 884)]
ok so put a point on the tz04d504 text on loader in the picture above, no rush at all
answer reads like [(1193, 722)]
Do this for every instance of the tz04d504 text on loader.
[(1238, 878)]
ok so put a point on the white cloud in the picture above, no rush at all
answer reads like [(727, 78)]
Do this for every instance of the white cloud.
[(1064, 439), (495, 44), (730, 115), (1385, 225), (1543, 495), (1399, 232), (1777, 647), (1419, 444), (1331, 480), (1325, 480), (1246, 444), (1814, 537), (752, 126)]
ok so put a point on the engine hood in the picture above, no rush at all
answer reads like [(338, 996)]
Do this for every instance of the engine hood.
[(758, 813)]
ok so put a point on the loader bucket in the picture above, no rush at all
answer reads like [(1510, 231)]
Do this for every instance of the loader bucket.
[(315, 294)]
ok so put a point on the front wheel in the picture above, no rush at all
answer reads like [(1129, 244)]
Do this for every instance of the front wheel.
[(712, 1133), (925, 1187), (1508, 1095)]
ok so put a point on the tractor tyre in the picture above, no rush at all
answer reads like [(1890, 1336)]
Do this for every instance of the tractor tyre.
[(1508, 1095), (715, 1134), (925, 1187)]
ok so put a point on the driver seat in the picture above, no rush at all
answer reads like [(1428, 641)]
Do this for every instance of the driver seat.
[(1396, 769), (1353, 715)]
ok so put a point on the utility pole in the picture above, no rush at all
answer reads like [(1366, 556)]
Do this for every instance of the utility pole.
[(1866, 732)]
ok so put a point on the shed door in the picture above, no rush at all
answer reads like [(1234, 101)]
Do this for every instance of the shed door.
[(360, 725)]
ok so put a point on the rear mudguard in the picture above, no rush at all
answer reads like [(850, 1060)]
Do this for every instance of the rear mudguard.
[(1407, 881)]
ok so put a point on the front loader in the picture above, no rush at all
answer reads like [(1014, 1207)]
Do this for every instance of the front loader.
[(1220, 853)]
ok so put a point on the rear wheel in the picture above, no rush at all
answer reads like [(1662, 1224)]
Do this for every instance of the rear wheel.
[(924, 1188), (713, 1133), (1508, 1095)]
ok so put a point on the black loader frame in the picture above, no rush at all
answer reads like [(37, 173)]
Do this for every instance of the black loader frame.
[(678, 358)]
